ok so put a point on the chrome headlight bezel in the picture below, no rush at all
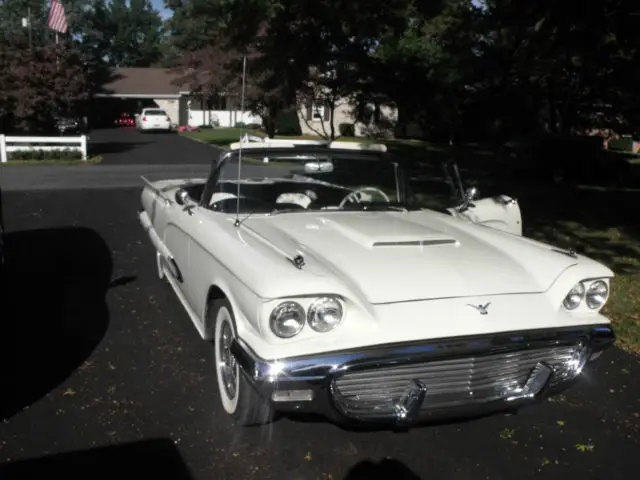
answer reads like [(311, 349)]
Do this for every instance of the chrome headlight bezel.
[(592, 293), (302, 311), (278, 317), (320, 305)]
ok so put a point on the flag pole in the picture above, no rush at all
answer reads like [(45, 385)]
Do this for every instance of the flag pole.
[(29, 25)]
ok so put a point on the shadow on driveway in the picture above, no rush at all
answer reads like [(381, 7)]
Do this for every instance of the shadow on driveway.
[(53, 309), (158, 459)]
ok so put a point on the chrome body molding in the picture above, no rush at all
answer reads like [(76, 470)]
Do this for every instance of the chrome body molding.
[(407, 383)]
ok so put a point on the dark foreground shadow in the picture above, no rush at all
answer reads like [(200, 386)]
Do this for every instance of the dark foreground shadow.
[(158, 459), (52, 309), (386, 469)]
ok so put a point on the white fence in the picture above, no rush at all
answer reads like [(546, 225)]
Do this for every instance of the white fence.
[(47, 144)]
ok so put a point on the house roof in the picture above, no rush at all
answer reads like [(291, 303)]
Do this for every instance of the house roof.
[(142, 82)]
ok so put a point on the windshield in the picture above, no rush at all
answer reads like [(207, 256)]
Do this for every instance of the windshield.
[(306, 180), (155, 112)]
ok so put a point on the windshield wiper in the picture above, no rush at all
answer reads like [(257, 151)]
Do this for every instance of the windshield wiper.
[(277, 211)]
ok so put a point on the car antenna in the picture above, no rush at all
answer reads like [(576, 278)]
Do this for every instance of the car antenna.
[(244, 72)]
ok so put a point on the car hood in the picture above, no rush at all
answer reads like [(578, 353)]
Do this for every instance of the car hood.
[(404, 256)]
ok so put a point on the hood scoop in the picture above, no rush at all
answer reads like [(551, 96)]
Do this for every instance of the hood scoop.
[(376, 231), (416, 243)]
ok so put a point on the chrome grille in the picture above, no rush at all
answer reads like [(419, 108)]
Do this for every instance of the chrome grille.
[(452, 382)]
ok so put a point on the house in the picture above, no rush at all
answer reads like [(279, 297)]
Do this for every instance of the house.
[(132, 89), (315, 119)]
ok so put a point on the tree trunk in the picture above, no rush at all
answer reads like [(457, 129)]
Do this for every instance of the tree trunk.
[(270, 126), (332, 127), (270, 121)]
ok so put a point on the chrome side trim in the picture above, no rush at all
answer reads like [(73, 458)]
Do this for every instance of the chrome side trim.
[(416, 243)]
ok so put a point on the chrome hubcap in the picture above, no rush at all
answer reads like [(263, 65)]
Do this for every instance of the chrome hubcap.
[(227, 360)]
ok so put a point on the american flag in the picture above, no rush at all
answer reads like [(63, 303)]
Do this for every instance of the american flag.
[(57, 18)]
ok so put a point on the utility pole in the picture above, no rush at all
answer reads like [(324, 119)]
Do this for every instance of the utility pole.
[(26, 23), (29, 26)]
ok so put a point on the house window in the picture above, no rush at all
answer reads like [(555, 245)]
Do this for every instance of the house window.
[(318, 112)]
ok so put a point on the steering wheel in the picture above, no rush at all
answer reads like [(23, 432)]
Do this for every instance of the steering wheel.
[(353, 196)]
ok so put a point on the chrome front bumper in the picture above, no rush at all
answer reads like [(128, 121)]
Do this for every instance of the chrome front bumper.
[(407, 383)]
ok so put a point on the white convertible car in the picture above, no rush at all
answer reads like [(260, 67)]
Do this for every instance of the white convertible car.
[(326, 287)]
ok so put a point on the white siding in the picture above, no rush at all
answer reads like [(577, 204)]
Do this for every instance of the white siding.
[(223, 118), (169, 106), (343, 114)]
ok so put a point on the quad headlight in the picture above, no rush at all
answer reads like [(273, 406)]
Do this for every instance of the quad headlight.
[(574, 297), (287, 319), (593, 293), (597, 294), (323, 314)]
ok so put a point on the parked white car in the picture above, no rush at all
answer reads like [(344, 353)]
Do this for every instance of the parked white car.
[(324, 287), (153, 119)]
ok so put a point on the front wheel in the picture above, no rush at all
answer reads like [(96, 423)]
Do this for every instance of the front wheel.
[(238, 397)]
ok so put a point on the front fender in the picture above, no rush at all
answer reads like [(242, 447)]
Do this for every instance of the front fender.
[(585, 269), (246, 306)]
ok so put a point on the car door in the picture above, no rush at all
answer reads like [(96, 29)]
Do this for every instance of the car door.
[(168, 225), (501, 212)]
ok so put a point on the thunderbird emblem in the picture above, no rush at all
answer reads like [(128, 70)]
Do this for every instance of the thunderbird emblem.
[(483, 309)]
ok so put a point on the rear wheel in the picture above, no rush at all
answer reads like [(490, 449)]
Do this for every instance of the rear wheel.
[(238, 397)]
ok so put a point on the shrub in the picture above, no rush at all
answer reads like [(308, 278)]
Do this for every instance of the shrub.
[(347, 130), (624, 144), (287, 123), (40, 154)]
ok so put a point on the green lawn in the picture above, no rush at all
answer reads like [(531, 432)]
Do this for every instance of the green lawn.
[(599, 221), (223, 137)]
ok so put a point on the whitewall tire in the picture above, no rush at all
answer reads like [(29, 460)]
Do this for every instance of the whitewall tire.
[(237, 396)]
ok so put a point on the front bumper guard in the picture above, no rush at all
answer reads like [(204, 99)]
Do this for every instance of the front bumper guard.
[(307, 384)]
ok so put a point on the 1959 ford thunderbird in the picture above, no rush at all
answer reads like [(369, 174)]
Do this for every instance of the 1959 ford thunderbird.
[(326, 286)]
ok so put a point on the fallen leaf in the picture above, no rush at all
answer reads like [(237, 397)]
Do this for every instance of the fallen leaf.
[(584, 448), (307, 457), (69, 392)]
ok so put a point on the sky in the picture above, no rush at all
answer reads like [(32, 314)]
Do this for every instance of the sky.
[(159, 5), (166, 13)]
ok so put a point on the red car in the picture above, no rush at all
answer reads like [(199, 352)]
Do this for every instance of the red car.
[(125, 121)]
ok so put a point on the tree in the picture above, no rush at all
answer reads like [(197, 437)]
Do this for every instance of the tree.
[(121, 33), (37, 85)]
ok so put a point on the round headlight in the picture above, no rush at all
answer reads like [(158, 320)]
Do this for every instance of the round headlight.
[(597, 294), (287, 319), (325, 314), (574, 297)]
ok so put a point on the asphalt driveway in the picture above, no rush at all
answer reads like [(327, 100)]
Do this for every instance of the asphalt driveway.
[(97, 352), (128, 146)]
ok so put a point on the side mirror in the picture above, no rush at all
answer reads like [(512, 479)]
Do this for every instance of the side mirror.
[(182, 197), (471, 194)]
